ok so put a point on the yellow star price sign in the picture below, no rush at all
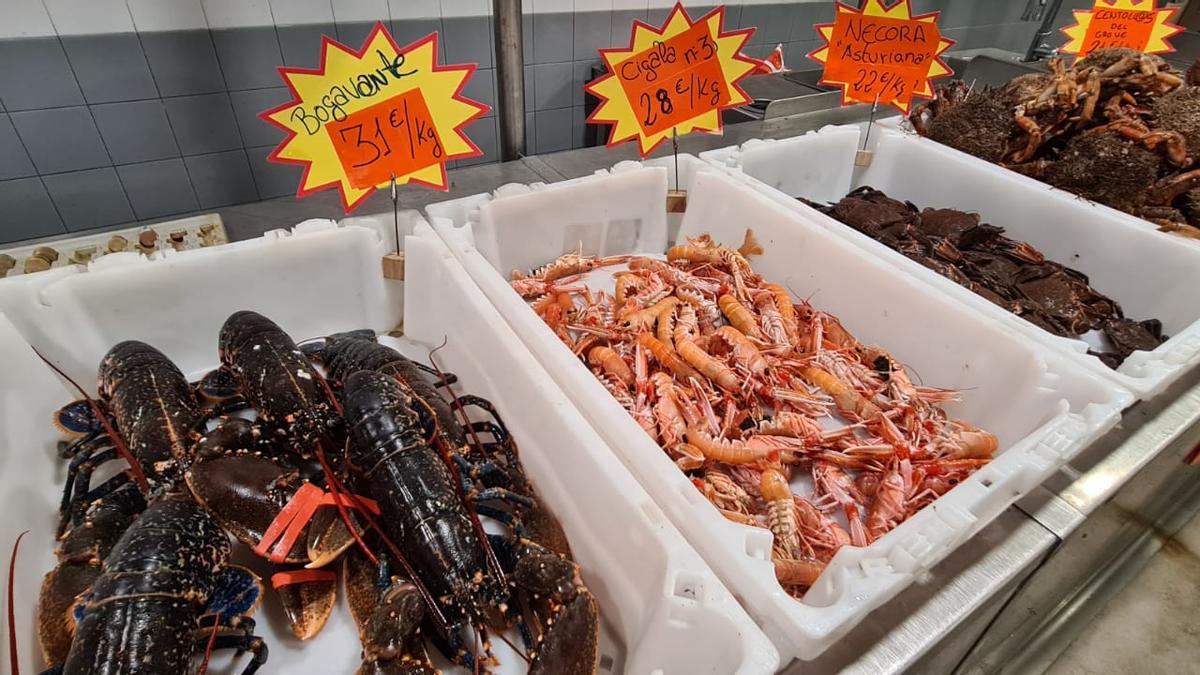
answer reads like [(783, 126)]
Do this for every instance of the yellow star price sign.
[(363, 118), (1135, 24), (883, 54), (671, 80)]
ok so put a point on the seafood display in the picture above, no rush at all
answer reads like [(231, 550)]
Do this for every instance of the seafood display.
[(755, 395), (1011, 274), (340, 449), (1118, 127)]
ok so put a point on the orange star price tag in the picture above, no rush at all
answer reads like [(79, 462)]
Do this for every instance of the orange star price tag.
[(365, 117), (882, 54), (1135, 24), (671, 80)]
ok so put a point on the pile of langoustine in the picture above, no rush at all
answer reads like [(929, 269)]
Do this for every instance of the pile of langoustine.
[(746, 388), (365, 465)]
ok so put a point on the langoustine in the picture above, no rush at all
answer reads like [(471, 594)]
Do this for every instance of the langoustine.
[(746, 388)]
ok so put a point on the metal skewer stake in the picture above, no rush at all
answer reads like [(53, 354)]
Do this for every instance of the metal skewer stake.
[(676, 199), (863, 156), (675, 149), (396, 213), (393, 263)]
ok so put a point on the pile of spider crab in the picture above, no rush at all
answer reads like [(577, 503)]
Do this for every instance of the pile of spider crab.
[(1118, 127), (753, 394), (369, 464)]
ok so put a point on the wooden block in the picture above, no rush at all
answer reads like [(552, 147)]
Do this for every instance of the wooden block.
[(863, 158), (393, 266), (676, 201)]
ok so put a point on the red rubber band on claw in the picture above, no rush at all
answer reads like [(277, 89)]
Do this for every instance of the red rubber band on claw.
[(301, 577), (285, 530), (351, 501), (306, 494)]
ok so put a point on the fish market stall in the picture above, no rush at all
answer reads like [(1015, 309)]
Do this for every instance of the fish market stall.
[(1065, 424)]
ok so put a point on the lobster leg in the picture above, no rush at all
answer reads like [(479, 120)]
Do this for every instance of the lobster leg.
[(85, 457)]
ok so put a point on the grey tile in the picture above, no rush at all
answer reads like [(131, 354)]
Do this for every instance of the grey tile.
[(981, 13), (581, 74), (183, 62), (136, 131), (553, 37), (468, 39), (354, 33), (158, 188), (530, 88), (593, 31), (483, 133), (274, 179), (407, 31), (795, 55), (622, 25), (110, 67), (552, 88), (246, 107), (578, 127), (34, 73), (88, 199), (803, 24), (301, 45), (778, 26), (14, 161), (757, 51), (527, 36), (481, 87), (757, 17), (248, 57), (553, 130), (222, 179), (61, 139), (530, 134), (203, 123), (28, 211)]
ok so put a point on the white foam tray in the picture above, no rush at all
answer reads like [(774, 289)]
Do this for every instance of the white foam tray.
[(1042, 406), (664, 610), (1150, 274)]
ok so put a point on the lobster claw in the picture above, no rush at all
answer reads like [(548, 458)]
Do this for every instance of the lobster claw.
[(571, 643), (308, 598), (388, 612), (329, 537), (245, 493)]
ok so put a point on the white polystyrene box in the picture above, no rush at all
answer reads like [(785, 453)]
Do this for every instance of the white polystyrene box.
[(656, 594), (1043, 407), (1149, 273)]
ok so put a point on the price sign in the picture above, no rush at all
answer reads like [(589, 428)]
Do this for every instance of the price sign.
[(671, 80), (882, 54), (365, 117), (1135, 24)]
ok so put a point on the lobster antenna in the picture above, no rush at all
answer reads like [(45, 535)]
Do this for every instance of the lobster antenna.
[(135, 467), (12, 607), (212, 642), (493, 561)]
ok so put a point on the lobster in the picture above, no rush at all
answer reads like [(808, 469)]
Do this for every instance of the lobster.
[(434, 531), (146, 611), (156, 418), (280, 468), (389, 612)]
